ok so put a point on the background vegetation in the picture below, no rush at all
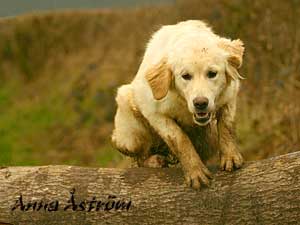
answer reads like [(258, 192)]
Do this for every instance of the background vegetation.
[(59, 72)]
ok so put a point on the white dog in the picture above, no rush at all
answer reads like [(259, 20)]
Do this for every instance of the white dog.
[(185, 88)]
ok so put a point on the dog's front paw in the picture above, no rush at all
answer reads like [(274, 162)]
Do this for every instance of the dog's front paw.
[(231, 160), (198, 176)]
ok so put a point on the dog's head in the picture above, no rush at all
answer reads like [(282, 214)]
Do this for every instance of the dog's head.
[(200, 74)]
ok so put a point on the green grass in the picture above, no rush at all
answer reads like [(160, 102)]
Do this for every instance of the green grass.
[(24, 122), (107, 156), (27, 125)]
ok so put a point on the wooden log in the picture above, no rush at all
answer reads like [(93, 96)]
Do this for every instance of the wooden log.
[(263, 192)]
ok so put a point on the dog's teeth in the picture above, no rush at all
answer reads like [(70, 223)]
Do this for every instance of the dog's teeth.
[(202, 115)]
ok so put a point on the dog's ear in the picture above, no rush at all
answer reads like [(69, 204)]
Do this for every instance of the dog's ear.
[(159, 78), (235, 50)]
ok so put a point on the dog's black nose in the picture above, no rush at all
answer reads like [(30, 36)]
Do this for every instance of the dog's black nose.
[(200, 103)]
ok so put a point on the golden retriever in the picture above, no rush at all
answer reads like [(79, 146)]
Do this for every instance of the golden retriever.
[(181, 104)]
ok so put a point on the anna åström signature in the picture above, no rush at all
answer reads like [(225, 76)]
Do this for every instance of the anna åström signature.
[(111, 203)]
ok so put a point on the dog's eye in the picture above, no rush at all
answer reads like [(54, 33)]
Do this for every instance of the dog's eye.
[(211, 74), (187, 76)]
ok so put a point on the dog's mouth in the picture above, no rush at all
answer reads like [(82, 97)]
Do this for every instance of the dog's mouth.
[(202, 118)]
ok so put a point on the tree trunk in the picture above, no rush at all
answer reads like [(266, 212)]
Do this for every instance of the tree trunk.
[(263, 192)]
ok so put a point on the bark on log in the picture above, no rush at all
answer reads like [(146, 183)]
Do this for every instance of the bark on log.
[(263, 192)]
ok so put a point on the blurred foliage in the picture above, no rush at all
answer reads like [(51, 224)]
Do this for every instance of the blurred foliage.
[(59, 72)]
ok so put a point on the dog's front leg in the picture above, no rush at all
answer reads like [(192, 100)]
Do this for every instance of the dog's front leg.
[(230, 156), (180, 145)]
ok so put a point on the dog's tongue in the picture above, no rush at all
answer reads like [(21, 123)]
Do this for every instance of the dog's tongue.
[(202, 114)]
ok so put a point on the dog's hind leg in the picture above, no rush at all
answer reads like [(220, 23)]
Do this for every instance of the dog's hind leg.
[(131, 136)]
